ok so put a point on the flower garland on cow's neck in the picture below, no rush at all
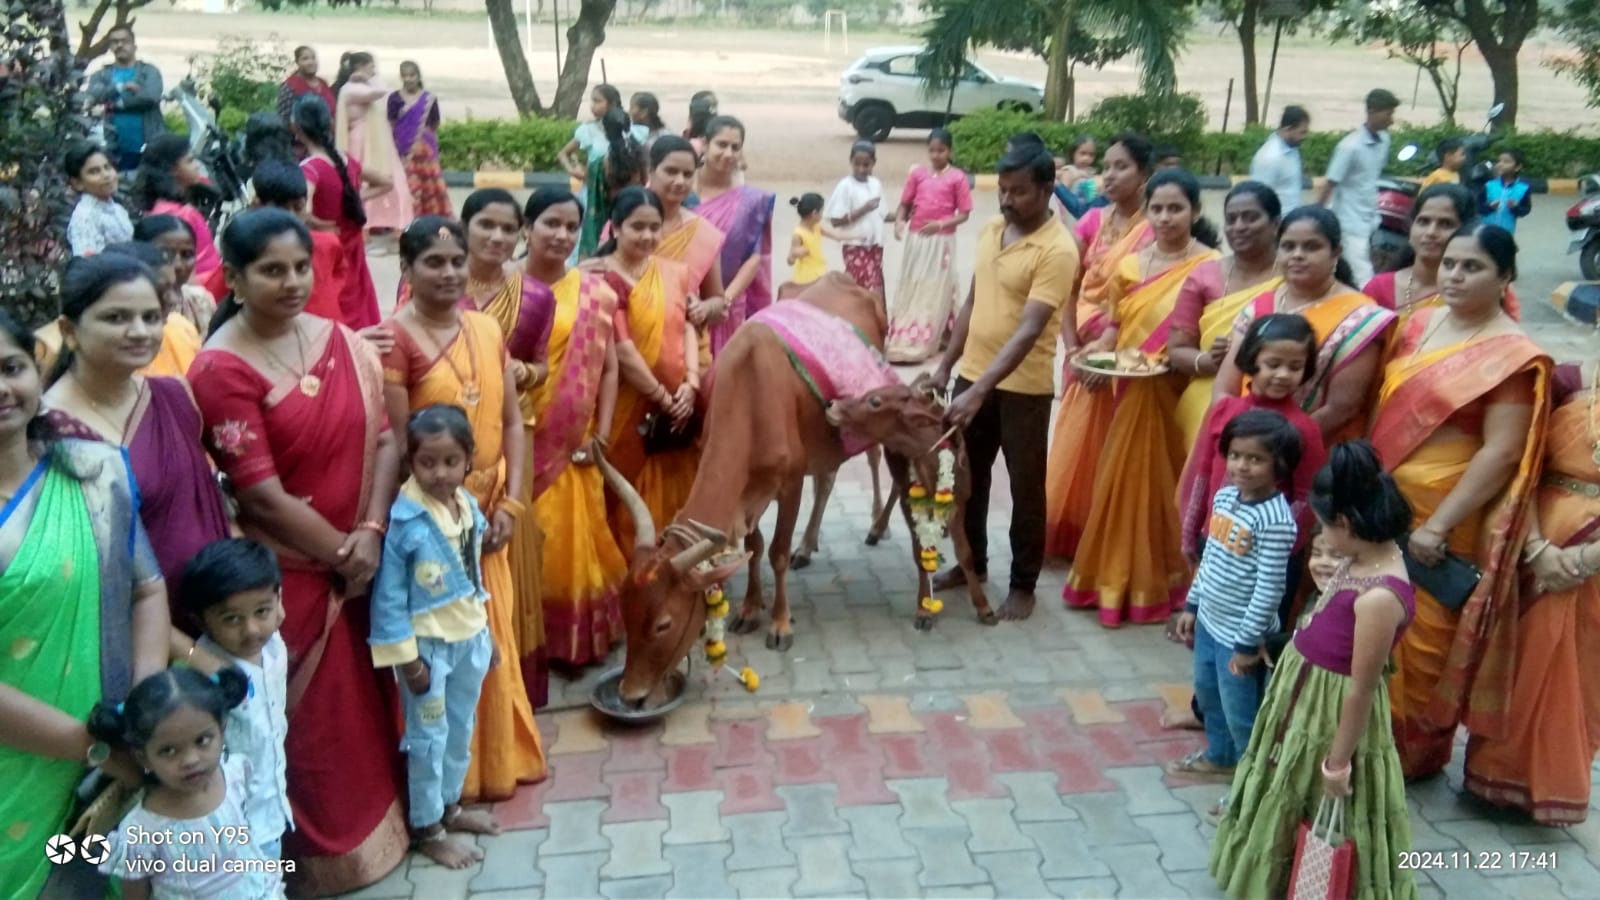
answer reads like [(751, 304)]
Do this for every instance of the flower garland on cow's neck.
[(716, 633), (930, 515)]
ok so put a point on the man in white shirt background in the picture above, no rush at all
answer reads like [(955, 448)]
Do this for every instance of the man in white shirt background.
[(1277, 164), (1351, 190)]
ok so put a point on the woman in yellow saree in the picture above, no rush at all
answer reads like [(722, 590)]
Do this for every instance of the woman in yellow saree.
[(1350, 328), (1461, 424), (658, 362), (687, 238), (1543, 762), (1202, 320), (442, 354), (573, 410), (1108, 234), (1130, 561)]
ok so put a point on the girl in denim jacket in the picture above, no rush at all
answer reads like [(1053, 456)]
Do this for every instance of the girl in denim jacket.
[(430, 623)]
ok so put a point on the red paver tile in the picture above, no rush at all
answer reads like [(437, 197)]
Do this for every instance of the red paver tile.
[(635, 796), (747, 789), (948, 735), (847, 736), (635, 750), (971, 778), (860, 781), (740, 743), (1077, 772), (1114, 744), (1011, 751), (576, 776), (525, 809), (689, 768), (905, 756), (1145, 717), (799, 762), (1049, 726)]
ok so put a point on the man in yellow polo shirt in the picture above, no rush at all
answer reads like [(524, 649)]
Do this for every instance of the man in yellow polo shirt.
[(1005, 341)]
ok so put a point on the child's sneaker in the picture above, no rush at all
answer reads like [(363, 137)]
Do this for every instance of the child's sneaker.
[(1196, 767)]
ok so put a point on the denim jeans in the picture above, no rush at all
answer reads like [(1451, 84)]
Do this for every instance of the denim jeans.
[(1228, 702), (438, 741)]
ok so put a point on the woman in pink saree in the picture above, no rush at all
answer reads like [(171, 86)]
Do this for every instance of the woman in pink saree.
[(366, 138), (744, 215)]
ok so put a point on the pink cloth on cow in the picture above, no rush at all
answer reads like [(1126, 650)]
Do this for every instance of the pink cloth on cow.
[(833, 356)]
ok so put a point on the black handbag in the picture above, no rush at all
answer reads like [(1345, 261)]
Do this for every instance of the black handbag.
[(1451, 582), (659, 436)]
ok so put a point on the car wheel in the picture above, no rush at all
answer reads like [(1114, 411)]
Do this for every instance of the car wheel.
[(873, 121), (1589, 260), (1015, 106)]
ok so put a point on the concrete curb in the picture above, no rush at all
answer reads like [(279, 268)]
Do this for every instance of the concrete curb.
[(1580, 306), (509, 180)]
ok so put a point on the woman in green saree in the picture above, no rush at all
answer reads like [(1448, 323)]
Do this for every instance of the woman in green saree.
[(83, 616)]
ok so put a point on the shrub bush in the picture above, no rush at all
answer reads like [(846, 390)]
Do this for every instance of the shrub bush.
[(527, 145), (980, 139), (243, 73)]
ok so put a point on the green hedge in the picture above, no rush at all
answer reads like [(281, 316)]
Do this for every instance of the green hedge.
[(980, 139), (471, 145)]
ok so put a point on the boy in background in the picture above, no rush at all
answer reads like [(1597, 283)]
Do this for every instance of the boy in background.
[(1452, 155), (1506, 197)]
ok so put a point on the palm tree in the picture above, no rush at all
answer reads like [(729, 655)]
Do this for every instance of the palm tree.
[(1065, 33)]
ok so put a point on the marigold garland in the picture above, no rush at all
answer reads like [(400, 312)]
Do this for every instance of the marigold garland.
[(930, 516)]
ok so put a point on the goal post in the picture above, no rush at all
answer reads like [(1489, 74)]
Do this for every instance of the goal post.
[(829, 18)]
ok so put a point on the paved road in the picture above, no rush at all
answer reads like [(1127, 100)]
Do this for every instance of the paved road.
[(1022, 760)]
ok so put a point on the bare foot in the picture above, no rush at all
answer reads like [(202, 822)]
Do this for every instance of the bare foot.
[(457, 818), (1018, 606), (432, 843), (953, 577), (1180, 720)]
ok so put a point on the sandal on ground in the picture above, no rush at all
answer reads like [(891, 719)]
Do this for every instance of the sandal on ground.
[(1196, 767)]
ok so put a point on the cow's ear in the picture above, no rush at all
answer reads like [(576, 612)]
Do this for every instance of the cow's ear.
[(700, 579)]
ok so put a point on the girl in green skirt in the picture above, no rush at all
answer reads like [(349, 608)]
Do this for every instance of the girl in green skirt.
[(1324, 730)]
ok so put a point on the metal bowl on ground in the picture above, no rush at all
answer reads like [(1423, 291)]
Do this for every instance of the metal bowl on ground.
[(607, 700)]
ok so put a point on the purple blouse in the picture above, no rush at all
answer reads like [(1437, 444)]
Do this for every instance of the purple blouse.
[(1328, 640)]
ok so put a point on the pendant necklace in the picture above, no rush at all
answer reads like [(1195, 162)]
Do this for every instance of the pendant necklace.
[(310, 385), (104, 415), (470, 393)]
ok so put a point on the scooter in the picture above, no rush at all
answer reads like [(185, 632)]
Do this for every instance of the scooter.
[(1397, 195), (223, 194), (1583, 220)]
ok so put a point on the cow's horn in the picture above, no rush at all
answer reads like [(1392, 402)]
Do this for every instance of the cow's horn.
[(644, 526), (697, 553), (706, 531)]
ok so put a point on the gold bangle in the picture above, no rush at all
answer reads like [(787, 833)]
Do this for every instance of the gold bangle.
[(375, 526)]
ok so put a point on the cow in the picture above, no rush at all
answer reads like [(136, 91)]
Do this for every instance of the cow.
[(909, 423), (765, 432)]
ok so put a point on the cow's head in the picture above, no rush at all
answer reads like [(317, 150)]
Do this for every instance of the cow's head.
[(905, 419), (663, 604)]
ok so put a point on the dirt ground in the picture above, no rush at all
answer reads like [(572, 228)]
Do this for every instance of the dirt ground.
[(785, 87)]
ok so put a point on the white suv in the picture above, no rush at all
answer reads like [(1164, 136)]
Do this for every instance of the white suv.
[(882, 91)]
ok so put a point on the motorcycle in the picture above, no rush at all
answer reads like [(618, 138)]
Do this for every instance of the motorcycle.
[(223, 194), (1397, 195), (1583, 220)]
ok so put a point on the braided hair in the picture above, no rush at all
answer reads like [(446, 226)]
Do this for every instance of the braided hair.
[(315, 121)]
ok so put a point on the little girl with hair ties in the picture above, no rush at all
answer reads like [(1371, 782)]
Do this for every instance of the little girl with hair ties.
[(805, 248)]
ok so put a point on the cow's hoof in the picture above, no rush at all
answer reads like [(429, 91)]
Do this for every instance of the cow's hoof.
[(923, 623), (873, 539), (988, 617), (741, 625), (779, 642), (800, 560)]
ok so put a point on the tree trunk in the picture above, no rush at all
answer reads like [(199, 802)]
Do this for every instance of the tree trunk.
[(1502, 62), (93, 40), (583, 39), (1058, 68), (508, 40), (1247, 46)]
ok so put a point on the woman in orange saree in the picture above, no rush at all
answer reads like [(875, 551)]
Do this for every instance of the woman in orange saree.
[(1461, 425), (658, 362), (1350, 328), (573, 409), (1202, 320), (1109, 234), (1130, 563), (293, 413), (442, 354), (1439, 212), (1543, 762), (689, 239)]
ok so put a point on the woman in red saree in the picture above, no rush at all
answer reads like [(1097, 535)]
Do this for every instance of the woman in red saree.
[(303, 80), (657, 360), (1461, 425), (1130, 564), (1350, 328), (443, 354), (333, 185), (1109, 234), (742, 213), (293, 412), (1543, 762), (573, 411)]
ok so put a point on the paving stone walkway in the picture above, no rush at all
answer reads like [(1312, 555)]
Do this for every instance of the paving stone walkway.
[(1022, 760)]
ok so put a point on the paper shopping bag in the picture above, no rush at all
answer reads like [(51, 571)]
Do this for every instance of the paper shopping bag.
[(1324, 860)]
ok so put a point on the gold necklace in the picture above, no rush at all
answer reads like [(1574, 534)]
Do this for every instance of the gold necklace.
[(470, 392), (309, 384), (476, 288), (1281, 298), (1438, 324), (104, 415), (1156, 253)]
